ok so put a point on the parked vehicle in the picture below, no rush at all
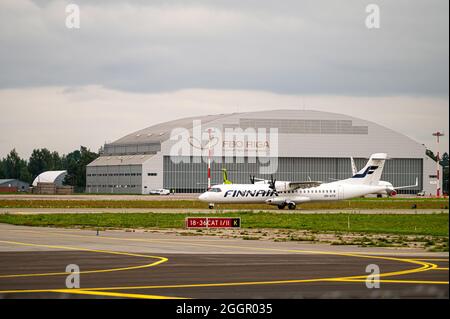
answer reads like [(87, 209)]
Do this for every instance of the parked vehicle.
[(161, 191)]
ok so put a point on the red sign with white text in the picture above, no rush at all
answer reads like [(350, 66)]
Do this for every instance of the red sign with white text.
[(213, 222)]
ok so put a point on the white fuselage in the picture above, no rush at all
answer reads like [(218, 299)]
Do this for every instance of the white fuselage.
[(262, 193), (364, 182)]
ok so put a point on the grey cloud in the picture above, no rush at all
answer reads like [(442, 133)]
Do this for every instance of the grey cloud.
[(298, 47)]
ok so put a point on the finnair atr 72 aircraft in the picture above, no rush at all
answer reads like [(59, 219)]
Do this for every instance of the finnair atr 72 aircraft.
[(289, 194)]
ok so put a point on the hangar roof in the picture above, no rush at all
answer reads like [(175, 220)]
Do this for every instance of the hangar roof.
[(7, 181), (161, 132), (303, 133), (50, 177), (120, 160)]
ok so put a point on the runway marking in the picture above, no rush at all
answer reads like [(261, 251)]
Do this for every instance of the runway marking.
[(113, 294), (425, 266), (161, 260), (399, 281), (232, 284)]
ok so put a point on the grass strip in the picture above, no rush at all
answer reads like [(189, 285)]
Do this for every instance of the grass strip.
[(417, 224)]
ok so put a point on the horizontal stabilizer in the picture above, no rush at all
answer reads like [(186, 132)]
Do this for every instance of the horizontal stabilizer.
[(409, 186)]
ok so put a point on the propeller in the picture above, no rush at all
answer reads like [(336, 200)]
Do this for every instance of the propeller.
[(272, 182), (272, 185)]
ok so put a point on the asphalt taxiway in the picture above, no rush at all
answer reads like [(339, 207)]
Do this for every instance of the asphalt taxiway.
[(119, 264)]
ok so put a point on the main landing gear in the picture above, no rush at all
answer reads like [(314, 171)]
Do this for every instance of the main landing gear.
[(291, 206)]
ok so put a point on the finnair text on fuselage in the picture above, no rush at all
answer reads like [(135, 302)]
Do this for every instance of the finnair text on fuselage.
[(250, 193)]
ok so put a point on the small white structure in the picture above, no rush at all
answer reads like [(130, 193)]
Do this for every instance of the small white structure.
[(55, 177)]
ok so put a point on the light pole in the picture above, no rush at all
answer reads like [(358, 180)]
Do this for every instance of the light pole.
[(438, 185), (209, 159)]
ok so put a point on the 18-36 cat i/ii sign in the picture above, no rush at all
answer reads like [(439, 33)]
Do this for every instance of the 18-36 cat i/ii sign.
[(213, 222)]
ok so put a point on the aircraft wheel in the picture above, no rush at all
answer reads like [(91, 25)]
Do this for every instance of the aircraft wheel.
[(281, 206), (291, 206), (379, 196), (211, 206)]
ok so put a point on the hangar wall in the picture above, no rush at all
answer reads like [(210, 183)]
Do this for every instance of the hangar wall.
[(309, 144), (190, 177)]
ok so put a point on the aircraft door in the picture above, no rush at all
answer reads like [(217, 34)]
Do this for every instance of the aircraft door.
[(340, 192)]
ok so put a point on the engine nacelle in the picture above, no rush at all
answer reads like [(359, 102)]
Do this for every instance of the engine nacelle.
[(276, 201), (392, 192)]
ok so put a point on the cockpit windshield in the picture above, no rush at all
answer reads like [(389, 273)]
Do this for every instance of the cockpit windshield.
[(215, 190)]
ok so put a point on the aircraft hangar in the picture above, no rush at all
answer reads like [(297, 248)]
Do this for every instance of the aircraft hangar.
[(292, 145)]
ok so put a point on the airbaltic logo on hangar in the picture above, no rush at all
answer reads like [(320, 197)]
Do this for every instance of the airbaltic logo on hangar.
[(228, 144), (231, 145)]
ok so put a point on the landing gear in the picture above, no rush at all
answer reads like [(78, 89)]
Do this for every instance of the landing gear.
[(281, 206), (379, 196), (291, 206), (211, 206)]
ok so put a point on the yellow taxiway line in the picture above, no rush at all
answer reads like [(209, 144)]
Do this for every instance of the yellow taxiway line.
[(424, 266), (112, 294), (160, 261)]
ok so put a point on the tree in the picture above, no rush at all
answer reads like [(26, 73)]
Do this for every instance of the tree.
[(2, 170), (76, 163), (42, 160), (445, 172), (57, 161), (15, 167), (445, 159)]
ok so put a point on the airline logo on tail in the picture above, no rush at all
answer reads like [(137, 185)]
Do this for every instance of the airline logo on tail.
[(369, 170)]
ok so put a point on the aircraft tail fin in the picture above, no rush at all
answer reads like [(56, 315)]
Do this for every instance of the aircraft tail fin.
[(225, 177), (354, 169), (371, 173)]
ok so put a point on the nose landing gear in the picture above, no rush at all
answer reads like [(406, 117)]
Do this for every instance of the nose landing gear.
[(211, 206)]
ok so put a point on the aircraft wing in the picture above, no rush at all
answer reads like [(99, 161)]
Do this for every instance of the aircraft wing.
[(304, 184)]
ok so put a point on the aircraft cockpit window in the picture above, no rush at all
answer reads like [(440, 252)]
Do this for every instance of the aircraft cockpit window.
[(215, 190)]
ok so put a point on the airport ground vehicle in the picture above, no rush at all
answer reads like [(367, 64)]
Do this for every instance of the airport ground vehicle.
[(161, 191)]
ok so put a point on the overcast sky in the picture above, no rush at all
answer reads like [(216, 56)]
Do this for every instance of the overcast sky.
[(136, 63)]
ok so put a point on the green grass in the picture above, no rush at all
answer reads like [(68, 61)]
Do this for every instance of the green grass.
[(369, 203), (415, 224)]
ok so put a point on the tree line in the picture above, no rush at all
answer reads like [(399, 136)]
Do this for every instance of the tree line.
[(41, 160)]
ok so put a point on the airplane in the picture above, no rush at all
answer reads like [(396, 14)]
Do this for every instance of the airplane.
[(389, 190), (254, 180), (225, 176), (289, 194)]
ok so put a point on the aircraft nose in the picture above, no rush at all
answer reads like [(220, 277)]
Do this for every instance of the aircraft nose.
[(202, 197)]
